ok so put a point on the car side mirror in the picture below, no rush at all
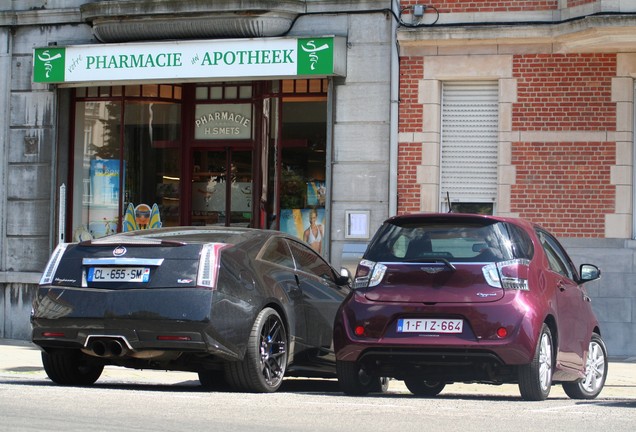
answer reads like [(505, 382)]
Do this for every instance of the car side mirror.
[(589, 272), (344, 278)]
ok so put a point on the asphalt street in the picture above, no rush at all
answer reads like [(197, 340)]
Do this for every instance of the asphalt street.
[(22, 357)]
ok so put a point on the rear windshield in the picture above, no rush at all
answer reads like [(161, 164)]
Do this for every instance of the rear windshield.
[(456, 240)]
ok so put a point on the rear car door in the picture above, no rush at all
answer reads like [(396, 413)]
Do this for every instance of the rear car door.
[(277, 269), (321, 294), (571, 299)]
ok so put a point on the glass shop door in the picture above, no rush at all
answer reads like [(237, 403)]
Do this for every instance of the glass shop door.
[(222, 187)]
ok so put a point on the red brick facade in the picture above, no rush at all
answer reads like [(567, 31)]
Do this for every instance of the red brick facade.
[(411, 72), (573, 3), (564, 186), (564, 92), (409, 157), (411, 118), (457, 6)]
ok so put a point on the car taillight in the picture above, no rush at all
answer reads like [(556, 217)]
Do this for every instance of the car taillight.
[(209, 263), (368, 274), (512, 274), (51, 266)]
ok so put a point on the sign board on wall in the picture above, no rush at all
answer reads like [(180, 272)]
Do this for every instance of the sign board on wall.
[(216, 121), (177, 60)]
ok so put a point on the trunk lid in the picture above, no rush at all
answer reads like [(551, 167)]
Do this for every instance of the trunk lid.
[(136, 265), (434, 282)]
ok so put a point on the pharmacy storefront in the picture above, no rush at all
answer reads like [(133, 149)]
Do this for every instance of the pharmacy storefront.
[(214, 132)]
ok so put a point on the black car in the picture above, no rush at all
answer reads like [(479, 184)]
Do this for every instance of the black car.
[(239, 306)]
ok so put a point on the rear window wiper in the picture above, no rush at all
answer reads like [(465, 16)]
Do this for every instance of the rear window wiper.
[(429, 260)]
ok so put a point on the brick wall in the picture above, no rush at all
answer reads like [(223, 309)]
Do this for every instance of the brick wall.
[(409, 157), (564, 186), (411, 118), (411, 72), (558, 92), (454, 6), (573, 3)]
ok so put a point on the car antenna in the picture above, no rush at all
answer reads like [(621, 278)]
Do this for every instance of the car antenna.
[(450, 206)]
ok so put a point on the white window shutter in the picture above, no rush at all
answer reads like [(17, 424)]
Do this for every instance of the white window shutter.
[(469, 142)]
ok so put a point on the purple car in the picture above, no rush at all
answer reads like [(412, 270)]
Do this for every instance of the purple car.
[(443, 298)]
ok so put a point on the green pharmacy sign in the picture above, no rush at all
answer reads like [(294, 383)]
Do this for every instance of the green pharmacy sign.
[(222, 59), (49, 65), (315, 56)]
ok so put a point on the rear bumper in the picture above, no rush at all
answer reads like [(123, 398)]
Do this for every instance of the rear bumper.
[(136, 335), (454, 365), (477, 344), (145, 320)]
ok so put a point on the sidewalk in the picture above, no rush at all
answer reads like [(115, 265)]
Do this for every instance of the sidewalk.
[(22, 357), (19, 357)]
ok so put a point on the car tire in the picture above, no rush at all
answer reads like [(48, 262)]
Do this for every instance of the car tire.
[(213, 380), (535, 379), (380, 385), (265, 363), (420, 387), (71, 367), (354, 381), (595, 372)]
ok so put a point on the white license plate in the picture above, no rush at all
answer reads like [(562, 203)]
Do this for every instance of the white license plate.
[(118, 274), (430, 325)]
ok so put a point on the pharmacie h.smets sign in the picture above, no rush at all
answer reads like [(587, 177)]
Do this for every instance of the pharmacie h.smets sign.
[(268, 57)]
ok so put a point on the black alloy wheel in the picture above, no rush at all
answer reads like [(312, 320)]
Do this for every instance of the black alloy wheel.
[(265, 363)]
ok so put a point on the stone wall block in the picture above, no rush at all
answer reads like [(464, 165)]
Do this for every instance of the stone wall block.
[(28, 218), (353, 143), (368, 63), (361, 103), (29, 182), (27, 254), (361, 182), (32, 109)]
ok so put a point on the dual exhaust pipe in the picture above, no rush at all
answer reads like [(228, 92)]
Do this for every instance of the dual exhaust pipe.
[(107, 347)]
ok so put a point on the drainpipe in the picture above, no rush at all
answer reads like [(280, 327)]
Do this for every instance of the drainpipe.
[(393, 122), (6, 53)]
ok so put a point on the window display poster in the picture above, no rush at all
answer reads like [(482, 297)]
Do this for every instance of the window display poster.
[(104, 174), (316, 193), (306, 224), (103, 203)]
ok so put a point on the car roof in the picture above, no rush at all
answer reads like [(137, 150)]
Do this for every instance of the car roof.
[(467, 217), (191, 234)]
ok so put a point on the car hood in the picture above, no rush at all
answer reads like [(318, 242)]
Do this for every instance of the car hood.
[(434, 283)]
